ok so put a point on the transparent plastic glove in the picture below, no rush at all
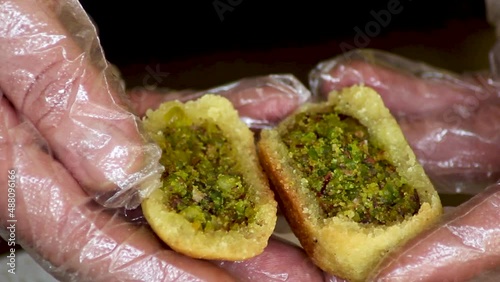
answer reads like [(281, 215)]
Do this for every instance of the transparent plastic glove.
[(76, 239), (451, 121), (54, 75), (465, 246), (453, 124), (275, 95)]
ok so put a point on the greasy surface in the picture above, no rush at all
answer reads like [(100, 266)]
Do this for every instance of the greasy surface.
[(201, 179), (348, 173)]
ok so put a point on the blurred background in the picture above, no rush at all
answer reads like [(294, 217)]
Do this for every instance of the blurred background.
[(204, 44)]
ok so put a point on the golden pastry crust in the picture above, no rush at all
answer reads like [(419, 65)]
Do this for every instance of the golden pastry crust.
[(175, 230), (338, 245)]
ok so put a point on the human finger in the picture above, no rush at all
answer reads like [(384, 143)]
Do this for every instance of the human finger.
[(459, 157)]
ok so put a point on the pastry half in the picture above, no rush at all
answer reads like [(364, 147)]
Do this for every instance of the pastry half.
[(215, 201), (350, 186)]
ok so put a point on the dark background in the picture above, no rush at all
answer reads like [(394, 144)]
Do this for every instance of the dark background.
[(148, 30), (188, 40)]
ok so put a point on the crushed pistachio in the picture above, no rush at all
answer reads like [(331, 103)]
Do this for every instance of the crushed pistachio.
[(201, 180), (349, 174)]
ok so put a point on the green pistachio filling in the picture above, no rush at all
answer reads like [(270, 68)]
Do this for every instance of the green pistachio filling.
[(201, 181), (349, 175)]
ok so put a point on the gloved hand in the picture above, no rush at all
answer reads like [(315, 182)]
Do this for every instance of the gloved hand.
[(55, 77), (67, 140), (452, 122)]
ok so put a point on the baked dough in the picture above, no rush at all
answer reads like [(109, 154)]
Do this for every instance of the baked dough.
[(336, 244)]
